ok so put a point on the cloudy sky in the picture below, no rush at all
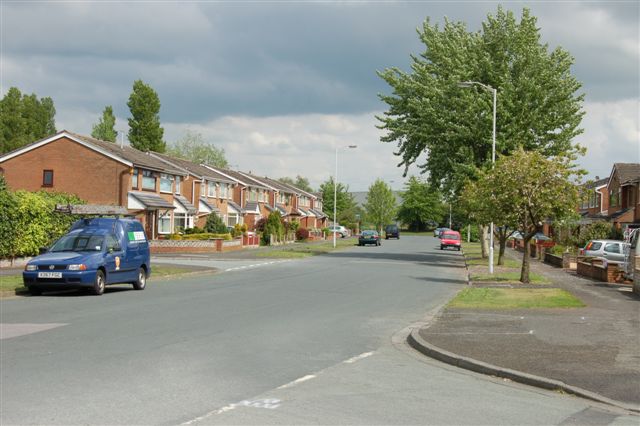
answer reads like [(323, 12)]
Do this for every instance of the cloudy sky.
[(280, 84)]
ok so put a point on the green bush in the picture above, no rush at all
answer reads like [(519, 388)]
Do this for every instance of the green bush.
[(215, 224), (595, 231), (272, 226), (29, 220)]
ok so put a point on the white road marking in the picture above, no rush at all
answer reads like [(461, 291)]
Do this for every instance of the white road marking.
[(8, 331), (300, 380), (358, 357), (269, 404), (255, 265), (474, 333)]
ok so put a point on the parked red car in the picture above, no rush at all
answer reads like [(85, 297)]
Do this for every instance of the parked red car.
[(450, 239)]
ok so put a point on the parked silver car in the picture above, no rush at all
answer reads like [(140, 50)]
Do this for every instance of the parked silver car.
[(611, 250)]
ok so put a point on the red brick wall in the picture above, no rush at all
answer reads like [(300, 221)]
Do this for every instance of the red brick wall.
[(78, 170)]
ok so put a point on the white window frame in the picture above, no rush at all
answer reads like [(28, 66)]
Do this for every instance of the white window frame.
[(164, 179), (178, 182), (163, 219), (203, 188), (147, 176), (211, 189)]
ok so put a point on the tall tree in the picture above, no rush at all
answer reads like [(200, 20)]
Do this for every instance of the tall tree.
[(380, 206), (299, 182), (105, 129), (193, 147), (145, 132), (534, 188), (538, 106), (421, 204), (24, 119), (345, 202)]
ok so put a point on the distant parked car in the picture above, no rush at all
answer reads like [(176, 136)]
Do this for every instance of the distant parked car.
[(611, 250), (391, 231), (450, 238), (437, 231), (339, 230), (369, 237)]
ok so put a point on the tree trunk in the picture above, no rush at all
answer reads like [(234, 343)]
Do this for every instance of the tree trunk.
[(502, 237), (484, 244), (524, 273)]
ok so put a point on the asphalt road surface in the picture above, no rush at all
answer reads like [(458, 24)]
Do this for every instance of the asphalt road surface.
[(312, 341)]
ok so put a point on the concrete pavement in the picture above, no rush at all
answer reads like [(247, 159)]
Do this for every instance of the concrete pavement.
[(593, 351)]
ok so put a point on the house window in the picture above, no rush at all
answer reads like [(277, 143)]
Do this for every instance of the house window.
[(182, 221), (47, 178), (148, 180), (203, 188), (166, 183), (134, 179), (178, 183), (232, 219), (212, 189), (164, 223)]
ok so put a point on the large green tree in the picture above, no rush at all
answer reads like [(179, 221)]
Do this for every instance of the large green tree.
[(421, 204), (380, 206), (299, 182), (105, 129), (346, 206), (430, 114), (145, 132), (535, 188), (24, 119), (193, 147)]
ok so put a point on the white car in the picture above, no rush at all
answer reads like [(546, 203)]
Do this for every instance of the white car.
[(339, 230)]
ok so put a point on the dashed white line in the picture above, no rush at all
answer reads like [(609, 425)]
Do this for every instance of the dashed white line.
[(295, 382), (358, 357)]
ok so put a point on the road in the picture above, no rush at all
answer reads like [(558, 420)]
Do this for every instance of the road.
[(312, 341)]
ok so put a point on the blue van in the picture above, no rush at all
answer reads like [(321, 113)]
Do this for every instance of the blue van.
[(95, 253)]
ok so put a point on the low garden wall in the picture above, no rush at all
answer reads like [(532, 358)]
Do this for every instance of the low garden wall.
[(566, 261), (554, 260), (598, 270), (198, 246)]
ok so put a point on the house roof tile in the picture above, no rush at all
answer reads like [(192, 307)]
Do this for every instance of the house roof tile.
[(627, 172)]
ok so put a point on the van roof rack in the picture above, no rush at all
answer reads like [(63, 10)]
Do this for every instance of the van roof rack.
[(92, 210)]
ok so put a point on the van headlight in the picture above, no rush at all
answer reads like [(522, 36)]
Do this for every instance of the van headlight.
[(78, 267), (30, 268)]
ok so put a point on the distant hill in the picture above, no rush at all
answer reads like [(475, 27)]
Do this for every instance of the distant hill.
[(361, 197)]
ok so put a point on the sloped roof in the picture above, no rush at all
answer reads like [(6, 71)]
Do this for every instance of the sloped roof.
[(627, 172), (186, 204), (239, 177), (152, 200), (597, 183), (195, 169), (135, 156), (251, 207)]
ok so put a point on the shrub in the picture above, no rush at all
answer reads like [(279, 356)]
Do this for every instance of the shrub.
[(273, 226), (194, 230), (595, 231), (215, 224), (302, 234)]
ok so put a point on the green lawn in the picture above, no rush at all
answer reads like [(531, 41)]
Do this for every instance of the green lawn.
[(509, 277), (514, 298), (12, 284), (300, 250), (473, 254)]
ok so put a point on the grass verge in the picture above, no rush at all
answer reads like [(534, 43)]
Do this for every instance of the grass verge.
[(509, 277), (11, 285), (300, 250), (514, 298)]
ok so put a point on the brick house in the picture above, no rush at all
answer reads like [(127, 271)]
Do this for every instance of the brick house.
[(624, 196), (206, 190), (595, 201), (100, 172)]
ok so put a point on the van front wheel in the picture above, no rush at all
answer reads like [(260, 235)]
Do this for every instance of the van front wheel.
[(141, 282), (99, 283)]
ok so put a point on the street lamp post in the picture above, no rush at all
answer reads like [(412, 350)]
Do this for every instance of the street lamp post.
[(335, 195), (493, 152)]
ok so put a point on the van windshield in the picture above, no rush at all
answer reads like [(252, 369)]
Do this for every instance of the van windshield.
[(86, 242)]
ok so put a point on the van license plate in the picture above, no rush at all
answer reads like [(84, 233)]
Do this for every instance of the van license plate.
[(49, 274)]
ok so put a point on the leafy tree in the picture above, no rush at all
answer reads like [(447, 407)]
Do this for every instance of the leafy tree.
[(8, 212), (145, 132), (595, 231), (380, 205), (346, 206), (421, 204), (299, 182), (478, 201), (215, 225), (193, 147), (273, 226), (536, 188), (24, 119), (105, 129), (538, 107)]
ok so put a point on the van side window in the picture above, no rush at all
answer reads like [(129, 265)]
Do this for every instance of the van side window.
[(112, 243)]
